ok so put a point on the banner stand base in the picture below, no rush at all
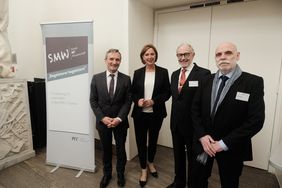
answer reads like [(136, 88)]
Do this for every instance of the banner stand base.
[(54, 169), (79, 173)]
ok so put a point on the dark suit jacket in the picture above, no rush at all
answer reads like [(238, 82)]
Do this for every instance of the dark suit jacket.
[(101, 103), (161, 91), (236, 121), (180, 120)]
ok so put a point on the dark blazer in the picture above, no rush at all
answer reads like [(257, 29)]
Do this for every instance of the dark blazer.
[(181, 102), (236, 121), (161, 91), (101, 103)]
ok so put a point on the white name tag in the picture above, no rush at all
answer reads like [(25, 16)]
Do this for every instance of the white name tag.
[(242, 96), (193, 84)]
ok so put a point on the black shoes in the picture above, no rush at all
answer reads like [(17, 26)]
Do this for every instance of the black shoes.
[(105, 181), (142, 183), (174, 185), (121, 180), (154, 174)]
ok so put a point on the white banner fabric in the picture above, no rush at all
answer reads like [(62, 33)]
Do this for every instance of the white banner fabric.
[(69, 58)]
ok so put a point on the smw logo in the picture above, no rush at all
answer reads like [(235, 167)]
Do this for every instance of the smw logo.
[(66, 54), (59, 56)]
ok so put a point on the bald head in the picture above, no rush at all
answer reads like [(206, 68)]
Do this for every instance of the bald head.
[(226, 57), (227, 45)]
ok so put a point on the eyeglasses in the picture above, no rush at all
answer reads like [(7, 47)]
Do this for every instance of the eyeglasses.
[(185, 55)]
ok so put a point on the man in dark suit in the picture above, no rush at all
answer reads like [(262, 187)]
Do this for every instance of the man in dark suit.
[(228, 110), (184, 83), (110, 100)]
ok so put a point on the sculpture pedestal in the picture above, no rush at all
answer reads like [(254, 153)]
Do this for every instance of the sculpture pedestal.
[(15, 126)]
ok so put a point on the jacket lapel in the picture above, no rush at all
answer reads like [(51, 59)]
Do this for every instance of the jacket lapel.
[(174, 83), (233, 88), (104, 85), (192, 74), (157, 79), (118, 86), (209, 92), (141, 80)]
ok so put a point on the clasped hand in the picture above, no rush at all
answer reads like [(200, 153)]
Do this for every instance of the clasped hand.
[(210, 146), (145, 103), (110, 122)]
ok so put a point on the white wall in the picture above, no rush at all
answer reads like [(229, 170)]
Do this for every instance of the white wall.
[(110, 29), (141, 23), (256, 28), (257, 31), (277, 133), (128, 25), (25, 37), (172, 29)]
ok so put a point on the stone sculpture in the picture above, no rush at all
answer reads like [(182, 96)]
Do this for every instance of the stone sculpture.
[(5, 49), (15, 128)]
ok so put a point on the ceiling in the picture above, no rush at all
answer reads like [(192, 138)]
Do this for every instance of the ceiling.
[(159, 4)]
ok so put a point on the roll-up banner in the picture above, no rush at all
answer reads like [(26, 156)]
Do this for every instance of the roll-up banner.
[(69, 59)]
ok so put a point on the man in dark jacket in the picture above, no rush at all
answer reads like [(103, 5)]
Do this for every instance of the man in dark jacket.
[(228, 110), (110, 100), (184, 83)]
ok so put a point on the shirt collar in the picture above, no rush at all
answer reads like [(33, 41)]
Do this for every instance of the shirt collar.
[(229, 75), (108, 73), (189, 68)]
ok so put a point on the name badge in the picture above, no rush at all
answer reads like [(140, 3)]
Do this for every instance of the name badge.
[(242, 96), (193, 84)]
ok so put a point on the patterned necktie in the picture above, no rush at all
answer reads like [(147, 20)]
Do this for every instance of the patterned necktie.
[(112, 84), (222, 84), (182, 79)]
